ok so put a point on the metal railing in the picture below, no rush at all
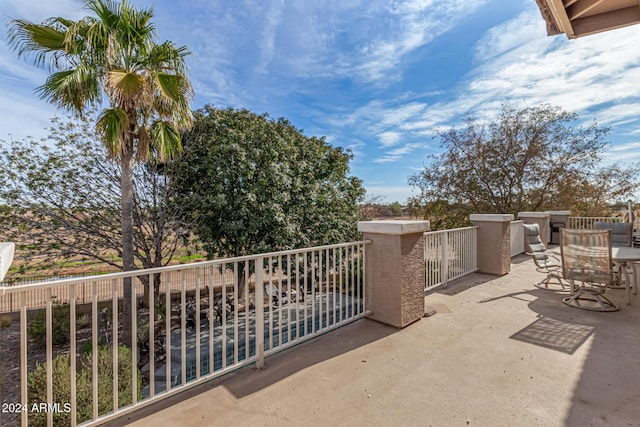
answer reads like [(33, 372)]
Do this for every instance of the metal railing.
[(449, 255), (37, 298), (586, 222), (207, 319)]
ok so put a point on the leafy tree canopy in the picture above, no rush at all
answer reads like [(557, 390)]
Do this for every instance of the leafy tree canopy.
[(254, 184), (60, 200), (533, 159)]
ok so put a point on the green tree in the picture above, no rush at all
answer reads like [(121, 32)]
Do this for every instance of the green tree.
[(114, 56), (532, 159), (253, 184), (61, 201)]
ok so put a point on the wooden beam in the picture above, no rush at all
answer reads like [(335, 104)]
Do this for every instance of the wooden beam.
[(606, 21), (560, 16), (568, 3), (580, 8)]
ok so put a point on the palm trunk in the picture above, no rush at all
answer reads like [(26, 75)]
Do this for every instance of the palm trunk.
[(126, 203)]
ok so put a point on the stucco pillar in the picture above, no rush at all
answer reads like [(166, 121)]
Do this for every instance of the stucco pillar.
[(494, 242), (395, 270), (540, 218)]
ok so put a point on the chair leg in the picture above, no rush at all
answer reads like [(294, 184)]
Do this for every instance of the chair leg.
[(603, 303), (558, 286)]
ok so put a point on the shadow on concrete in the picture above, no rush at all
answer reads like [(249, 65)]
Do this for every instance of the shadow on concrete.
[(553, 334), (247, 380), (608, 391), (456, 287)]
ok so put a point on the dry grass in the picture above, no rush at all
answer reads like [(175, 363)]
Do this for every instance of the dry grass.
[(79, 266)]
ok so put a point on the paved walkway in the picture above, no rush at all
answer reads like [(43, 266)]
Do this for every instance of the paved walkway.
[(499, 352)]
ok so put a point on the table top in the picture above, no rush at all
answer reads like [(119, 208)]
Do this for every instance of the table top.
[(625, 254), (620, 254)]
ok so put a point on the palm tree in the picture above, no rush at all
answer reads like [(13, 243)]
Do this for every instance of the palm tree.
[(113, 58)]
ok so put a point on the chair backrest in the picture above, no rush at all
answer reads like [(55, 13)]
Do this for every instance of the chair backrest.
[(586, 255), (532, 242), (621, 232)]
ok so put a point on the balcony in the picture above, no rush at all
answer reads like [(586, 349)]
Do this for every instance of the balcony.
[(499, 351)]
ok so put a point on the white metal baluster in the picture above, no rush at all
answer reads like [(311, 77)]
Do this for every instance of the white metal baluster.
[(224, 316), (322, 291), (302, 294), (313, 292), (259, 289), (152, 338), (347, 283), (114, 340), (426, 261), (212, 318), (327, 288), (49, 345), (445, 258), (289, 279), (94, 346), (23, 354), (236, 301), (341, 292), (246, 310), (270, 303), (364, 278), (335, 287), (352, 279), (183, 326), (134, 340), (167, 331), (72, 355), (306, 286), (198, 353), (288, 296), (358, 282)]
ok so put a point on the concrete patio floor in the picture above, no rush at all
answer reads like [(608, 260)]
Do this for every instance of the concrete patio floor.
[(499, 352)]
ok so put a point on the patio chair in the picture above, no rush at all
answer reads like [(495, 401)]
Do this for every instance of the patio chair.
[(277, 297), (586, 262), (545, 261), (621, 236), (621, 232)]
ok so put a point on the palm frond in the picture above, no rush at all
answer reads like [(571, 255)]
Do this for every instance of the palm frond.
[(173, 87), (124, 86), (113, 124), (165, 140), (38, 39), (71, 89)]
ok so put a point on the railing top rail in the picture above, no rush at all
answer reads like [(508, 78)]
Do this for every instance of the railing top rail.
[(134, 273), (612, 218), (452, 229)]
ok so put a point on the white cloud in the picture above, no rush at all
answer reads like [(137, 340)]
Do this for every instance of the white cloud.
[(518, 64), (409, 25), (269, 33), (397, 153), (389, 138)]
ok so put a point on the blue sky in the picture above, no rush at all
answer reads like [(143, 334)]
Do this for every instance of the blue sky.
[(376, 77)]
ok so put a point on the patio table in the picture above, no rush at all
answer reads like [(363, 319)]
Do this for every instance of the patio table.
[(627, 257)]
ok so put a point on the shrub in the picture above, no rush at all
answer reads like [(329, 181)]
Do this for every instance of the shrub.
[(60, 326), (84, 321), (61, 370), (5, 321)]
